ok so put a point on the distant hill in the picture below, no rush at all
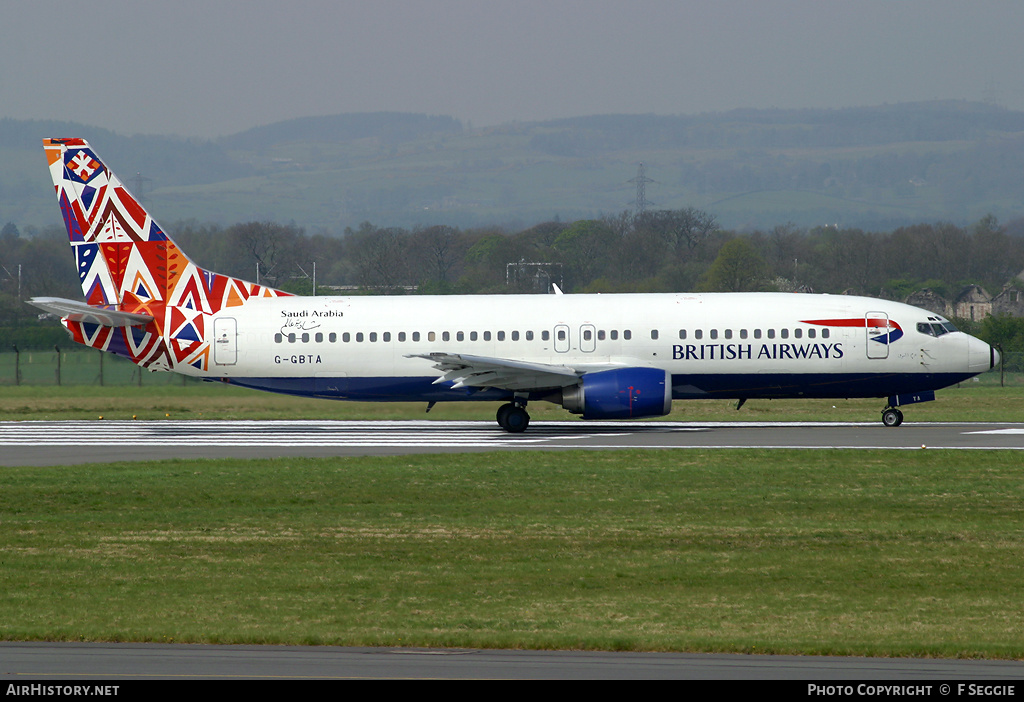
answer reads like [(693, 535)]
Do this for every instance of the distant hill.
[(940, 121), (872, 167), (173, 160), (389, 127)]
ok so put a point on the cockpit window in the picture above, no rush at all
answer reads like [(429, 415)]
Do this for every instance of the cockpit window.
[(935, 328)]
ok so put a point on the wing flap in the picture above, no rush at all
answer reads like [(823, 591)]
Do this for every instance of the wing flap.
[(464, 370)]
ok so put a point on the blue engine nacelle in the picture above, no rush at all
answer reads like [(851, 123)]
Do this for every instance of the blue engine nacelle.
[(621, 393)]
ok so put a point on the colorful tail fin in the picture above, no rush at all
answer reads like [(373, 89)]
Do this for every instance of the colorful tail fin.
[(127, 264), (123, 256)]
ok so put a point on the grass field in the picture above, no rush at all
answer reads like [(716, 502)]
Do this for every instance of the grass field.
[(812, 552)]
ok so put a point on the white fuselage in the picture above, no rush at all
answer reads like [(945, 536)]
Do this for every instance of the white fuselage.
[(713, 345)]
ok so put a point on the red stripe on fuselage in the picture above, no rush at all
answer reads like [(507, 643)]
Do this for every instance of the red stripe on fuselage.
[(855, 322)]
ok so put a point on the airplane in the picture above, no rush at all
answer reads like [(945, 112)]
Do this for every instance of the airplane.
[(602, 356)]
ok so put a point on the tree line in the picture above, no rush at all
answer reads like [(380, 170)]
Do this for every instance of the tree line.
[(654, 251)]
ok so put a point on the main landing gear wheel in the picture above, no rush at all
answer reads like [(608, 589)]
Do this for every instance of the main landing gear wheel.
[(892, 417), (513, 418)]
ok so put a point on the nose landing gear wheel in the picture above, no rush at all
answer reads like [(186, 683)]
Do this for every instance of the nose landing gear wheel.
[(513, 418), (892, 417)]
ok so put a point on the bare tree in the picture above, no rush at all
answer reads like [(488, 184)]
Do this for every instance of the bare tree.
[(380, 257), (274, 248), (683, 230), (437, 251)]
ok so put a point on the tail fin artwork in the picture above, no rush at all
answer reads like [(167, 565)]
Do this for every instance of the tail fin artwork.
[(145, 299)]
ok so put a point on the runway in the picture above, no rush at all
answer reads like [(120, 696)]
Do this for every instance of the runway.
[(77, 442), (80, 442), (121, 664)]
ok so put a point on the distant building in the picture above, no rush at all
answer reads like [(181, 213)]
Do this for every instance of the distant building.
[(973, 303), (930, 300), (1010, 301)]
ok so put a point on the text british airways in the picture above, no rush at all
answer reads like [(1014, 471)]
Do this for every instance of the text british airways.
[(775, 352)]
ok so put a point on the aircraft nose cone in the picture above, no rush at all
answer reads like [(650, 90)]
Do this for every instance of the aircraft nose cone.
[(980, 356)]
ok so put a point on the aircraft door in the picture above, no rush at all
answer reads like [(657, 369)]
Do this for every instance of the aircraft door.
[(562, 338), (876, 327), (588, 338), (225, 339)]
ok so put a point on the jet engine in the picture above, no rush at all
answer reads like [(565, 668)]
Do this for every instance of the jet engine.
[(621, 393)]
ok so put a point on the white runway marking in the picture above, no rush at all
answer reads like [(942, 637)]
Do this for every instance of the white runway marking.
[(276, 433), (46, 443)]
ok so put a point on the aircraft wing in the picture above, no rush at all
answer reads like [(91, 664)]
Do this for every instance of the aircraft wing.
[(464, 370), (82, 312)]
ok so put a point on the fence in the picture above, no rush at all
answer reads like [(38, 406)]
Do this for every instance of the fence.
[(79, 366)]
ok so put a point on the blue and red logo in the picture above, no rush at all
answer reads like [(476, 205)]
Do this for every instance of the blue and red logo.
[(82, 165), (887, 330)]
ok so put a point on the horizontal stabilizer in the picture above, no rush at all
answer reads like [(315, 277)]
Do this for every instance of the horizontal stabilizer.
[(81, 312)]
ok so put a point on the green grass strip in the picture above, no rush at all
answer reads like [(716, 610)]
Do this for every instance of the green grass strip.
[(811, 552), (972, 402)]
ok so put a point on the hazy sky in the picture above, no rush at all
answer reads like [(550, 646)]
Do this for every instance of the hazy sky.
[(210, 67)]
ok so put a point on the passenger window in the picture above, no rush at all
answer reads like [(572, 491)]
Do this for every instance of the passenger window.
[(515, 336), (728, 333), (401, 336), (600, 334), (431, 336), (698, 334), (771, 333), (627, 334), (460, 336), (346, 337), (279, 337), (386, 336), (825, 333), (784, 333), (359, 337), (332, 337), (545, 335), (743, 333), (614, 334), (373, 337), (587, 335), (654, 334), (501, 336), (682, 333), (757, 333), (714, 333), (415, 336), (487, 336), (529, 336), (798, 333), (472, 336), (811, 333), (291, 338), (446, 336), (318, 338)]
